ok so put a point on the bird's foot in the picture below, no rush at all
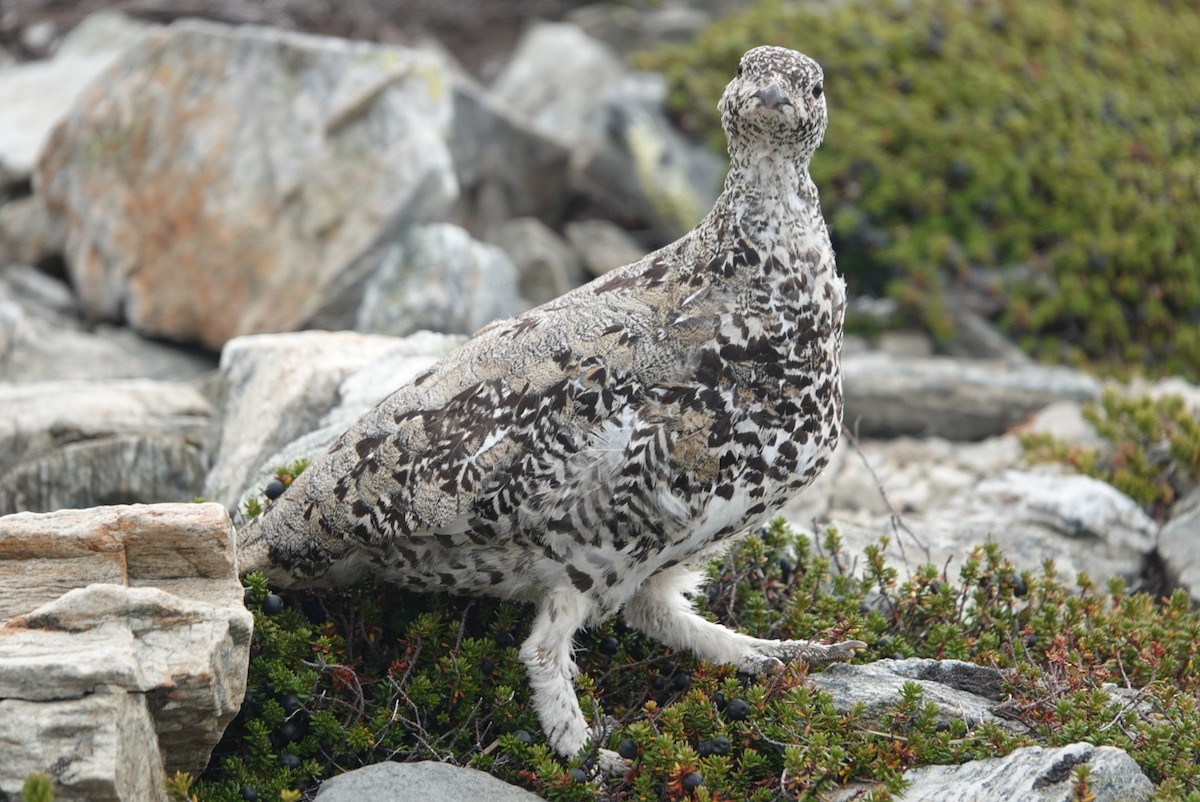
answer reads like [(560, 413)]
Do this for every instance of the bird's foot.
[(774, 654), (610, 764)]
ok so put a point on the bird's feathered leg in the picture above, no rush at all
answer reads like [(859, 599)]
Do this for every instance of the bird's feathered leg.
[(661, 610), (546, 654)]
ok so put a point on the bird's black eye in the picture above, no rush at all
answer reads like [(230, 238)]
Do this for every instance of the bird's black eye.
[(818, 90), (740, 70)]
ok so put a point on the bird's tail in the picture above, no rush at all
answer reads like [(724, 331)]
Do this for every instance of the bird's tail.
[(253, 552)]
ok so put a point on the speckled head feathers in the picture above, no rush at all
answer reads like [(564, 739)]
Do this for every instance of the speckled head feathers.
[(778, 98)]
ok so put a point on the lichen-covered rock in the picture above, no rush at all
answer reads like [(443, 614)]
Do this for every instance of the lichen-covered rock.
[(123, 646), (233, 206), (83, 444), (37, 95)]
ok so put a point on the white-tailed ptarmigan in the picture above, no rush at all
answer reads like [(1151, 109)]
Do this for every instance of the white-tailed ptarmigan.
[(594, 453)]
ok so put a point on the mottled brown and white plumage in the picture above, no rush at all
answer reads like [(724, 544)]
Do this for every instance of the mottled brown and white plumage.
[(592, 454)]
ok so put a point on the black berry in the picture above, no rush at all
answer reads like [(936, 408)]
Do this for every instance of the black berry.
[(523, 736), (273, 605), (291, 703), (579, 775), (274, 489), (249, 794), (718, 700), (737, 709), (290, 761), (720, 745), (288, 731), (659, 682), (681, 682), (609, 645), (627, 749), (505, 639), (1020, 587), (692, 781)]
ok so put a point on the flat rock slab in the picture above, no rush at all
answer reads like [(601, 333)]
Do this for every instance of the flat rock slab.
[(952, 398), (425, 781), (124, 644), (962, 691)]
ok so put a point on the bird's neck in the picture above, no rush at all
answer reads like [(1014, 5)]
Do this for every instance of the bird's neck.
[(770, 194)]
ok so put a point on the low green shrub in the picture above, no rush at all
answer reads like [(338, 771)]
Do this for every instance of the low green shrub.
[(1041, 156), (342, 679), (1153, 453)]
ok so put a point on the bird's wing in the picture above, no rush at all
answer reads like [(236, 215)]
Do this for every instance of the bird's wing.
[(493, 437)]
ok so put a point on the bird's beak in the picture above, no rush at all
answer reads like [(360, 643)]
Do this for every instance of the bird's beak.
[(772, 96)]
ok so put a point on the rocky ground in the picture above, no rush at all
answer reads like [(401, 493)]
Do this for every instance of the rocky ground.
[(219, 245)]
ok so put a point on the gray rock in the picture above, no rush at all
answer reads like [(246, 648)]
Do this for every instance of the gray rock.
[(935, 499), (961, 691), (1179, 545), (357, 393), (36, 96), (247, 200), (550, 80), (975, 337), (956, 399), (427, 781), (274, 388), (438, 278), (100, 748), (505, 167), (29, 234), (602, 245), (43, 338), (124, 645), (627, 29), (80, 444), (1034, 774), (1073, 506), (279, 388), (547, 265), (1063, 420)]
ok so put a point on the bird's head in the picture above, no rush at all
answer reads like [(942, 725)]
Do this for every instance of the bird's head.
[(776, 99)]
